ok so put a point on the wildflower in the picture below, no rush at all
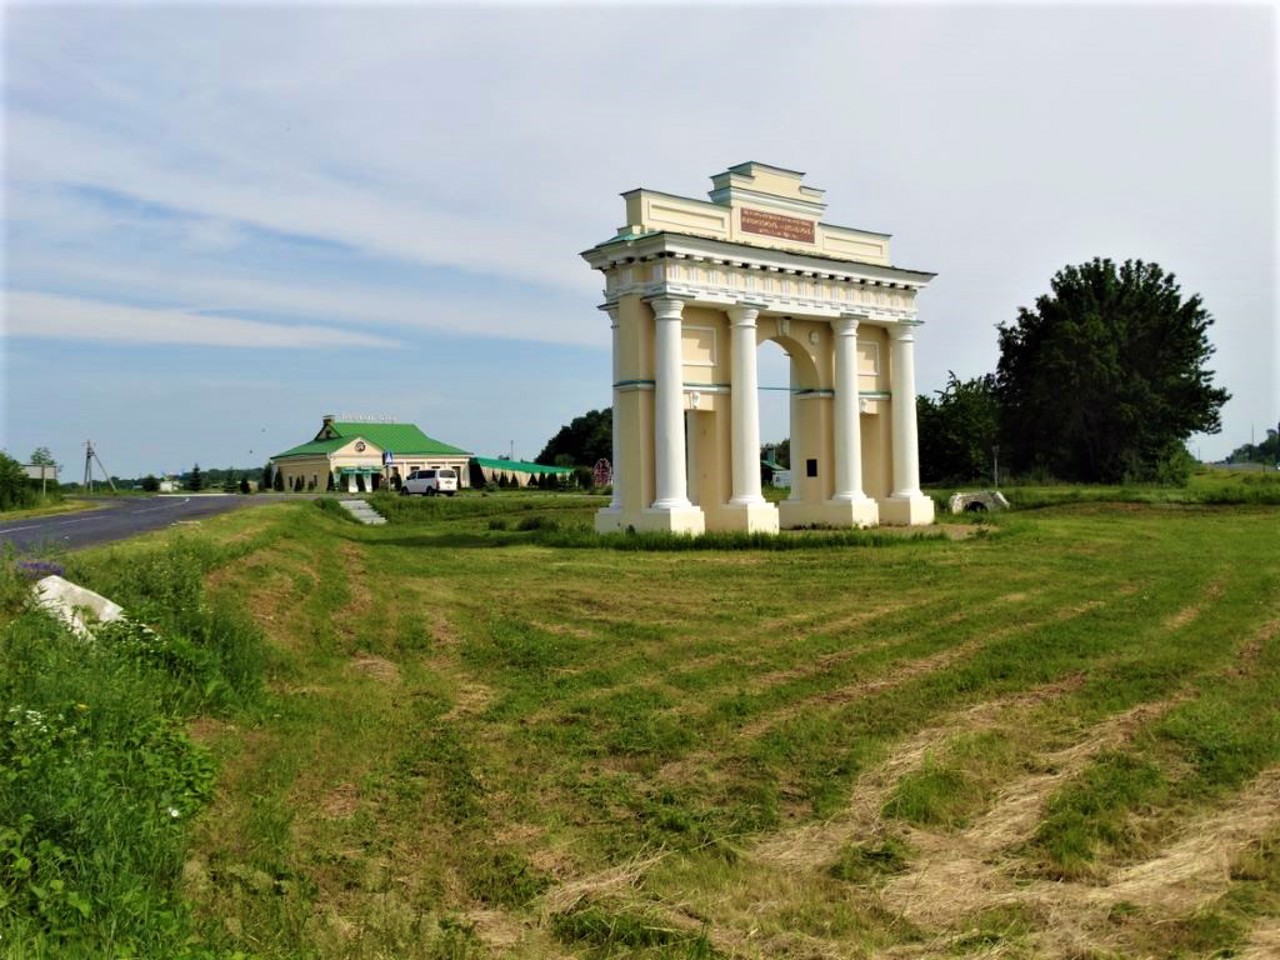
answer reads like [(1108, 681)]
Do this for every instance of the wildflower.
[(173, 812), (39, 569)]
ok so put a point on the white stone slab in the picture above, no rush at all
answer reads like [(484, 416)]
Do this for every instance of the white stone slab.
[(79, 608)]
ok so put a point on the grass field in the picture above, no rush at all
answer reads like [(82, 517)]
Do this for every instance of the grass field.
[(485, 733)]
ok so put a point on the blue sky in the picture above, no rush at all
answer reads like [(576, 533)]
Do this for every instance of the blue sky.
[(222, 222)]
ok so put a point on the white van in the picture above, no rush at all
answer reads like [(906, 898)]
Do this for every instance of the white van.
[(431, 480)]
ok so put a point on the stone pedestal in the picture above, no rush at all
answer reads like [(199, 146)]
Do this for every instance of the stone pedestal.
[(749, 517), (609, 520), (688, 520), (915, 511), (830, 513)]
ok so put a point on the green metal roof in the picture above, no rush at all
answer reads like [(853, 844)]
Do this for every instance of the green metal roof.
[(519, 466), (313, 447), (402, 439), (399, 438)]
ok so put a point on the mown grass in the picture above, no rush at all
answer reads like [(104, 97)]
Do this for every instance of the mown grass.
[(486, 732)]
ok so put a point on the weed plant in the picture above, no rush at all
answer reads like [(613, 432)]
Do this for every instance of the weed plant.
[(99, 780)]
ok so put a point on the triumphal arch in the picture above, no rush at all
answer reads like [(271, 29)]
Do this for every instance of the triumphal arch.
[(692, 288)]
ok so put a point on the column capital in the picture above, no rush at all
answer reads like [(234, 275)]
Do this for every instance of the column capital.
[(667, 306), (847, 323), (902, 332), (743, 314), (611, 308)]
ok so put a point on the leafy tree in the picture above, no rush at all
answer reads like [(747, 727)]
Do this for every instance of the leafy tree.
[(958, 430), (42, 457), (15, 489), (582, 442), (151, 483), (1104, 381), (195, 479)]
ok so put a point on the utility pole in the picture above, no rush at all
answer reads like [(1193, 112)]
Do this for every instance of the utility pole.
[(90, 456)]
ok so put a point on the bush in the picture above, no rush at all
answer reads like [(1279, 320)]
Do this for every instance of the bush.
[(15, 489)]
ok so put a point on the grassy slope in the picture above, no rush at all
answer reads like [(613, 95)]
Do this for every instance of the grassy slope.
[(1061, 740)]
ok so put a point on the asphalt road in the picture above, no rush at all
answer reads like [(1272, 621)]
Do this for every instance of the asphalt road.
[(119, 519)]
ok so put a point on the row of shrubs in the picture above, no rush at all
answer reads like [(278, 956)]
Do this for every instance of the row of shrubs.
[(99, 779)]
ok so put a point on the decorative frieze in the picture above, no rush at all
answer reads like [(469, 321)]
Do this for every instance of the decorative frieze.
[(882, 294)]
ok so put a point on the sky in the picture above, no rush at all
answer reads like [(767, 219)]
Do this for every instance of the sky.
[(224, 221)]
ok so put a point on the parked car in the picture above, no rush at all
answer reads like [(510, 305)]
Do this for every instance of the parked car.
[(431, 481)]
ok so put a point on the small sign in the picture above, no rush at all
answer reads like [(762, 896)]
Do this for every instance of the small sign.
[(602, 473), (388, 458), (776, 225)]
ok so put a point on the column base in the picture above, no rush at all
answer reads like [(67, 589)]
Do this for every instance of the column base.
[(609, 520), (912, 511), (690, 520), (829, 513), (750, 517)]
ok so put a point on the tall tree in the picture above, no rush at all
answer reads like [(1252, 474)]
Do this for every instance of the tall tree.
[(959, 430), (41, 456), (582, 442), (195, 479), (1105, 380)]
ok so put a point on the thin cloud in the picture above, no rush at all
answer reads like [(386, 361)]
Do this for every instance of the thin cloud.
[(52, 317), (209, 290)]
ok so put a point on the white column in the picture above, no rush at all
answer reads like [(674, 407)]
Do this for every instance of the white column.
[(615, 502), (668, 419), (745, 406), (906, 453), (846, 414), (794, 416)]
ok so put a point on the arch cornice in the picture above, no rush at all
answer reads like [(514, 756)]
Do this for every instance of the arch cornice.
[(724, 274)]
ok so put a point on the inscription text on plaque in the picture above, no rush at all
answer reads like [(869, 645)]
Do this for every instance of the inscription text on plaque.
[(776, 225)]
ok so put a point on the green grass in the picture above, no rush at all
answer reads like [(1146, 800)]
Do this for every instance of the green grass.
[(481, 730), (1206, 486), (99, 779)]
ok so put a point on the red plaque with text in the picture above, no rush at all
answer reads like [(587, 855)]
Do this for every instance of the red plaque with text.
[(776, 225)]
